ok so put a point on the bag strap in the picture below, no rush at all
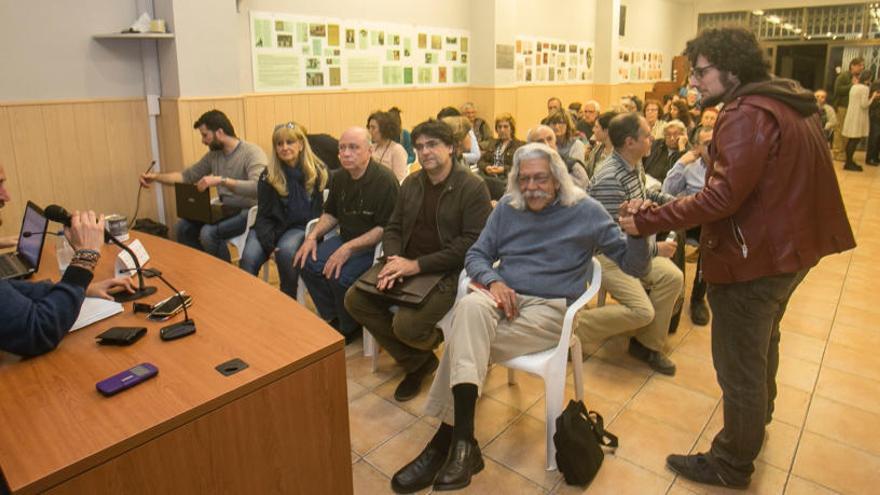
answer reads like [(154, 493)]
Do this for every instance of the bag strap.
[(605, 437)]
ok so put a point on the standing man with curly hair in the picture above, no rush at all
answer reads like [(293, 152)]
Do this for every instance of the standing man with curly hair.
[(770, 210)]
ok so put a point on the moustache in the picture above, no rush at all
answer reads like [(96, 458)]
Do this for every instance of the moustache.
[(536, 195)]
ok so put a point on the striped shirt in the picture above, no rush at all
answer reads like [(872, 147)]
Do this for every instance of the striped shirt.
[(618, 181)]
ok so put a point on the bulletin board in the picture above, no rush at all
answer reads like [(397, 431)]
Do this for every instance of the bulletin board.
[(553, 61)]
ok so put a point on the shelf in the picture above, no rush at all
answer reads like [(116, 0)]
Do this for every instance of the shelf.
[(134, 36)]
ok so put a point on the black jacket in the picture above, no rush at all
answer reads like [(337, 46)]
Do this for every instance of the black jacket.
[(272, 216)]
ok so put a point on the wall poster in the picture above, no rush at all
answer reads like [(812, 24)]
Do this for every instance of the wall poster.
[(544, 60), (634, 65)]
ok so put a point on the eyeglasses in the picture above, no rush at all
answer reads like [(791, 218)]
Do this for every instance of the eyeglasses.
[(540, 179), (429, 144), (699, 72), (289, 125)]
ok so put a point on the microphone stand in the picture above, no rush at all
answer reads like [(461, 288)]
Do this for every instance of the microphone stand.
[(142, 290), (185, 327)]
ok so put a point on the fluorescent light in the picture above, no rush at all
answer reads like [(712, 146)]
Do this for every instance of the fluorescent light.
[(788, 25), (758, 12), (773, 19), (797, 30)]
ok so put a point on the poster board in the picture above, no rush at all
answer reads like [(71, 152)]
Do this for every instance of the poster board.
[(637, 65), (299, 53), (553, 61)]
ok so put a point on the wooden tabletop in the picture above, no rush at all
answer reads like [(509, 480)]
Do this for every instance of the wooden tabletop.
[(54, 422)]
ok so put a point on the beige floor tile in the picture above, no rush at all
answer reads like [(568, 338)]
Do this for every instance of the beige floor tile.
[(796, 345), (797, 373), (607, 408), (677, 489), (615, 352), (864, 361), (780, 443), (522, 448), (810, 326), (610, 381), (646, 442), (496, 479), (374, 420), (766, 480), (674, 405), (521, 396), (856, 337), (354, 457), (369, 481), (402, 448), (491, 418), (697, 343), (358, 368), (846, 424), (849, 389), (355, 390), (836, 466), (856, 317), (809, 305), (791, 405), (693, 373), (619, 477), (414, 406), (800, 486)]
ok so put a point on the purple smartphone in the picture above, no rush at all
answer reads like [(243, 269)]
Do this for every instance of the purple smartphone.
[(127, 379)]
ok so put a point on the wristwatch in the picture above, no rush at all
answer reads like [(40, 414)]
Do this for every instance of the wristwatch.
[(223, 181)]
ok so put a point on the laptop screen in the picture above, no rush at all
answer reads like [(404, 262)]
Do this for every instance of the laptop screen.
[(29, 248)]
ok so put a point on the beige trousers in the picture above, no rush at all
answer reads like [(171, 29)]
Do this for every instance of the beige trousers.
[(645, 316), (481, 333), (839, 142)]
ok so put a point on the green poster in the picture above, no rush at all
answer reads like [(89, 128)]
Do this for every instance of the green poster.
[(392, 75), (262, 33), (317, 44), (302, 32), (459, 74), (425, 75), (407, 75), (407, 44)]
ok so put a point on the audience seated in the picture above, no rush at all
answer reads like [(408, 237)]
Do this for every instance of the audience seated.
[(587, 118), (567, 143), (652, 115), (647, 316), (603, 147), (461, 136), (627, 105), (326, 148), (678, 110), (553, 103), (827, 114), (545, 135), (438, 215), (289, 195), (360, 202), (480, 127), (404, 137), (233, 167), (383, 130), (498, 155), (707, 120), (545, 230), (665, 152), (685, 178), (471, 156), (693, 103)]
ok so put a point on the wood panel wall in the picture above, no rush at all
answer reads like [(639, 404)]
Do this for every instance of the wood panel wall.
[(79, 154), (88, 154)]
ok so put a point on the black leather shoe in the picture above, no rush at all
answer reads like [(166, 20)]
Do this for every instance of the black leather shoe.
[(852, 167), (699, 312), (420, 472), (464, 461), (412, 382), (655, 359), (873, 163), (703, 469)]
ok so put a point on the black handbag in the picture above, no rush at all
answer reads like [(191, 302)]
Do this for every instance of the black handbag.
[(411, 292), (579, 438)]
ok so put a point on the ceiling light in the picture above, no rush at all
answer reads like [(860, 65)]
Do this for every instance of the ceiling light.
[(798, 30), (773, 19), (828, 33), (788, 25), (758, 12)]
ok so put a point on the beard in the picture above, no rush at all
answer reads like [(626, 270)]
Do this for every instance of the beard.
[(215, 145), (536, 195), (729, 87)]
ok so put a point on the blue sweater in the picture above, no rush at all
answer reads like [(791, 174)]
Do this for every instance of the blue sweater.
[(547, 254), (34, 317)]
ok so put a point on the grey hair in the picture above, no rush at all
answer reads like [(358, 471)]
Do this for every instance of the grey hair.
[(595, 104), (535, 129), (466, 105), (566, 192), (675, 124)]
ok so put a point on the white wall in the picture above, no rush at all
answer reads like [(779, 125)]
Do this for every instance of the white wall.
[(48, 51), (659, 24), (573, 20), (454, 14)]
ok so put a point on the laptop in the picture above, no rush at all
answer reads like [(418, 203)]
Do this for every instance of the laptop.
[(25, 261), (201, 206)]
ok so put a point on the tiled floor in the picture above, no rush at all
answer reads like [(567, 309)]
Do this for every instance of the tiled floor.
[(825, 436)]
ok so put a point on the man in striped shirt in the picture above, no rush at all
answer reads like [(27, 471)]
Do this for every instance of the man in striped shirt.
[(646, 304)]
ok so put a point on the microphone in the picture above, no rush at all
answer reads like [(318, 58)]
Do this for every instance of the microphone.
[(27, 234), (175, 330), (58, 214)]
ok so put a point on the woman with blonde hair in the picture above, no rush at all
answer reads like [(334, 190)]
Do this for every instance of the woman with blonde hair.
[(289, 195)]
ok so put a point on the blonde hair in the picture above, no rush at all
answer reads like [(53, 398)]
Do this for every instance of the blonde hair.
[(313, 168)]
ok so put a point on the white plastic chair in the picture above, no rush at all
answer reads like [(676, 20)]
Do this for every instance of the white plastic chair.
[(551, 364), (239, 240)]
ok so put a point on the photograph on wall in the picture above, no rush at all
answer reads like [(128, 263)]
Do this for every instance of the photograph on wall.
[(540, 60), (637, 65), (347, 53)]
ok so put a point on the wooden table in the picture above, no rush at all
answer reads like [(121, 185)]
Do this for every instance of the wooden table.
[(279, 426)]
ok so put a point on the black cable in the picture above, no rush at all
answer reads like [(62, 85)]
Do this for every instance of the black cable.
[(137, 204)]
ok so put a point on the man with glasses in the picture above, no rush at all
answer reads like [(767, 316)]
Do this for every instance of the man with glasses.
[(360, 202), (644, 315), (587, 118), (232, 166), (545, 229), (770, 210), (439, 213)]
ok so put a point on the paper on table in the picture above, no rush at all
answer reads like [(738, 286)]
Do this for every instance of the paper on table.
[(95, 309)]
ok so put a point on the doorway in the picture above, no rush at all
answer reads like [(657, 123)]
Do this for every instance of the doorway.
[(803, 63)]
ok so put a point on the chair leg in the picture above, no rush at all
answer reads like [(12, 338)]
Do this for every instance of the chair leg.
[(266, 273), (554, 393), (300, 287), (371, 350), (511, 376), (577, 365)]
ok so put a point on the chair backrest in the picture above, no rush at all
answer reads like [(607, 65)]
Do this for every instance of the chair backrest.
[(252, 217)]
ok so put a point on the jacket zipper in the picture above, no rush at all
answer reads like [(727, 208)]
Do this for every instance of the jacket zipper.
[(437, 213), (740, 238)]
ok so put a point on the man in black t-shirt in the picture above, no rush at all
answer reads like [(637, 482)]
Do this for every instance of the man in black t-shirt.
[(361, 199)]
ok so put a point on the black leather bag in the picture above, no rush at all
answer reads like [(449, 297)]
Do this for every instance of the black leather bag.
[(411, 292), (579, 438)]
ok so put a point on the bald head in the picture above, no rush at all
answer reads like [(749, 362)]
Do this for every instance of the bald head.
[(543, 134), (354, 150)]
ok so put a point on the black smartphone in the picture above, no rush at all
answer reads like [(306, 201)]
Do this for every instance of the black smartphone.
[(169, 307)]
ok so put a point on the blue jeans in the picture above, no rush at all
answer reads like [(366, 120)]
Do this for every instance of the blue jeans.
[(329, 294), (211, 238), (253, 258)]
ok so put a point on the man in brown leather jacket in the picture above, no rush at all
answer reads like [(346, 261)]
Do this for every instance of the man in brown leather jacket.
[(770, 210)]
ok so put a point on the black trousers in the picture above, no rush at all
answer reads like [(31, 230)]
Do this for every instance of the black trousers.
[(873, 153)]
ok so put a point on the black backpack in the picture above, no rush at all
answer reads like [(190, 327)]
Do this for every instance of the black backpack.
[(579, 438), (151, 227)]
